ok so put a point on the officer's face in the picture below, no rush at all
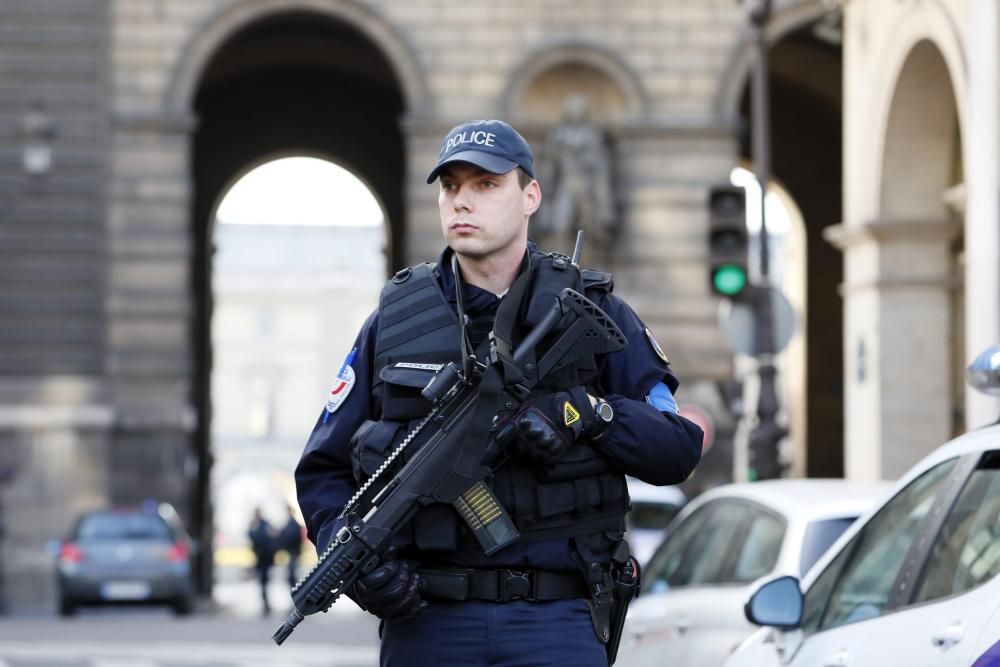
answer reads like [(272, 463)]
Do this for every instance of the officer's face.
[(483, 213)]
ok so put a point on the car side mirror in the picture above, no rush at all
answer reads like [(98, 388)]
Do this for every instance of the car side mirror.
[(778, 604)]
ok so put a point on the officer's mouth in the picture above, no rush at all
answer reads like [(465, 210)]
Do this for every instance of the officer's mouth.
[(462, 227)]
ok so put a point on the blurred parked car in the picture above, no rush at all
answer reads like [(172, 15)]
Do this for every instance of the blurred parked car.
[(914, 583), (691, 609), (126, 556), (653, 507)]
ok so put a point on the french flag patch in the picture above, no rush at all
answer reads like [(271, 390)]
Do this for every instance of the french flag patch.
[(342, 385)]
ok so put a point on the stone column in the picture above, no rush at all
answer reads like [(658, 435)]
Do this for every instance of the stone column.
[(982, 219), (149, 309), (897, 294)]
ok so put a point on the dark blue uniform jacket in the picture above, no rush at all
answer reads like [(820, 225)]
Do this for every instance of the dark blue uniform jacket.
[(657, 447)]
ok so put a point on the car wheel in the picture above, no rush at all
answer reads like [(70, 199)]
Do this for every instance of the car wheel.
[(183, 606)]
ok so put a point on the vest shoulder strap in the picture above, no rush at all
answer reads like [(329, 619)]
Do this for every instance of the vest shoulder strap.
[(412, 306), (598, 281)]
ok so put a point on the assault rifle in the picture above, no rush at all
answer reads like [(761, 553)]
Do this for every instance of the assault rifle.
[(448, 465)]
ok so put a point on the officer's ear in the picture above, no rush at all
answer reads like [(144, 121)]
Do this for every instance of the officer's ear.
[(532, 197)]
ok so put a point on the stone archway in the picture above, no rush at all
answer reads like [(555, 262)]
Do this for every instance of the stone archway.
[(903, 283), (922, 140), (194, 57), (261, 78), (785, 19), (805, 71)]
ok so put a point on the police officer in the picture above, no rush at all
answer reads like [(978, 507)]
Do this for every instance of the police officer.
[(544, 599)]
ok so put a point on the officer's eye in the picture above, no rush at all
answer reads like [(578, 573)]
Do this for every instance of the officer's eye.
[(447, 185), (489, 184)]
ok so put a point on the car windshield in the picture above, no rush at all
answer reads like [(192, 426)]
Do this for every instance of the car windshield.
[(113, 526), (818, 538), (651, 516)]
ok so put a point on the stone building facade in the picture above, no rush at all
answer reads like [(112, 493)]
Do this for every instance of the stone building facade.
[(160, 105), (921, 231)]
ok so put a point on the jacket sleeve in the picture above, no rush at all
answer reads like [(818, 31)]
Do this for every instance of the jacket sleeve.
[(324, 477), (657, 447)]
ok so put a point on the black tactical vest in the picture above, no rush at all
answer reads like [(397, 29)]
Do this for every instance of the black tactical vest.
[(578, 496)]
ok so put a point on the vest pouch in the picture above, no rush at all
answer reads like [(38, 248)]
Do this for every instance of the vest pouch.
[(579, 461), (599, 494), (401, 384), (555, 499), (371, 445)]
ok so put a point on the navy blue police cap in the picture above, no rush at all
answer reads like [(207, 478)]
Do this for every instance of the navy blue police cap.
[(492, 145)]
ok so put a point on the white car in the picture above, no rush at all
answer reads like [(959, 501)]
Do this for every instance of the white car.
[(913, 583), (690, 611), (653, 507)]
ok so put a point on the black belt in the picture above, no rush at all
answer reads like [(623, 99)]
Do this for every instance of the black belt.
[(455, 583)]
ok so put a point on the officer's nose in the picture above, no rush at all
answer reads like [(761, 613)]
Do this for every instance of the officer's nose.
[(462, 202)]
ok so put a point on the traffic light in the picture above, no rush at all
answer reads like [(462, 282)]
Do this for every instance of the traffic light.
[(727, 240)]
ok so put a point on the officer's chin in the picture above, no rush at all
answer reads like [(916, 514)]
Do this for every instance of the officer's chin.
[(466, 247)]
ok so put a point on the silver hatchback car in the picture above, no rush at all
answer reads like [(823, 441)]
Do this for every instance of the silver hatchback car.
[(690, 612), (126, 556)]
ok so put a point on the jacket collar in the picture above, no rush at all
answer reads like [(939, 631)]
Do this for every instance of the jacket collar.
[(475, 298)]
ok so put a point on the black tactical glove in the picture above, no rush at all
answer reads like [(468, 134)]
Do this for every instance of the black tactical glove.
[(391, 590), (547, 424)]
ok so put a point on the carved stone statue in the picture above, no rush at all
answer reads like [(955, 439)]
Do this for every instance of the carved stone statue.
[(576, 173)]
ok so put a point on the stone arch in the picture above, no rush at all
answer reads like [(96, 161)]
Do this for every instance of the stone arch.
[(732, 82), (230, 20), (271, 156), (903, 293), (924, 50), (920, 126), (603, 66), (276, 57), (919, 169), (804, 79)]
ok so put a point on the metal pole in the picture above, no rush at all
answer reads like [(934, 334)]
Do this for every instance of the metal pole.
[(766, 434)]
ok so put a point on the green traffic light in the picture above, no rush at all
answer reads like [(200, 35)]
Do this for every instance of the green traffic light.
[(729, 279)]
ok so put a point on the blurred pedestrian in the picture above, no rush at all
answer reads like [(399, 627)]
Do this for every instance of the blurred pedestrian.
[(290, 540), (262, 541)]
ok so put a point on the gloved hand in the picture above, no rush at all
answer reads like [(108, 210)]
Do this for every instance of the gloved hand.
[(547, 424), (391, 590)]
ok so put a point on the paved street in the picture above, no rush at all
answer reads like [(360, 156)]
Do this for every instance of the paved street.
[(229, 634)]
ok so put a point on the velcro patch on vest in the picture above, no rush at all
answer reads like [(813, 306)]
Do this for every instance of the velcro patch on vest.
[(570, 414)]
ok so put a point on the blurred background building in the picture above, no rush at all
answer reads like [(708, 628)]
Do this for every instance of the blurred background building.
[(124, 124)]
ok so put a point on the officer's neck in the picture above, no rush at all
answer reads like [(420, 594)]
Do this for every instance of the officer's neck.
[(496, 272)]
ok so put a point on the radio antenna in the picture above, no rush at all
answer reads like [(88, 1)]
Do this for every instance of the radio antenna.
[(577, 250)]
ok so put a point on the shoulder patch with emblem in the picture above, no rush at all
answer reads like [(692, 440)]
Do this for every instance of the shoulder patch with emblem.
[(342, 385), (656, 346)]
